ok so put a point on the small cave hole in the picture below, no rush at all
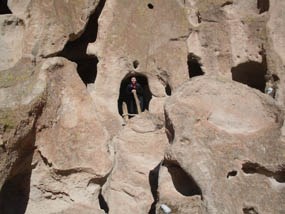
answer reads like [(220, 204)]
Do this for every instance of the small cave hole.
[(75, 50), (150, 6), (153, 182), (4, 9), (182, 181), (263, 5), (232, 174), (136, 64), (250, 73), (249, 210), (194, 67), (102, 203), (168, 89), (14, 192), (125, 95)]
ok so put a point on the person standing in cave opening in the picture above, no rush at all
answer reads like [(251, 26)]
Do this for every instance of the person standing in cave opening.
[(133, 87), (270, 85)]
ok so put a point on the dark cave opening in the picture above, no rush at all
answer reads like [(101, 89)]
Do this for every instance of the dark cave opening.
[(194, 67), (123, 96), (75, 51), (14, 195), (251, 73), (150, 6), (102, 203), (4, 9), (136, 64), (232, 173), (263, 5), (153, 182), (182, 181), (168, 89)]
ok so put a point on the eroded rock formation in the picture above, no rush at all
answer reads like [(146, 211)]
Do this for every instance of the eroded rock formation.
[(210, 140)]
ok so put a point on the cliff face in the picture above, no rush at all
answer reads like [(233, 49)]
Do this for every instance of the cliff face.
[(210, 140)]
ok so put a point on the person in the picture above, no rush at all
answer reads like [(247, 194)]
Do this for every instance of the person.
[(132, 87), (270, 86)]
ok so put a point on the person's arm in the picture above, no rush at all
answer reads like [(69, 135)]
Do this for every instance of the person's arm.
[(129, 89), (139, 89)]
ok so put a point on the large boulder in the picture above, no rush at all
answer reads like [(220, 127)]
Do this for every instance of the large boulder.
[(73, 157), (226, 137), (49, 25), (11, 42), (22, 98)]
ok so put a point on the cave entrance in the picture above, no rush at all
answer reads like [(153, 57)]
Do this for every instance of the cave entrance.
[(4, 9), (194, 67), (14, 195), (263, 6), (250, 73), (123, 96), (182, 181), (75, 50)]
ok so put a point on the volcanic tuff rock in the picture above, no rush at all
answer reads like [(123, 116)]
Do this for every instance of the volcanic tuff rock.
[(71, 171), (207, 144), (234, 142)]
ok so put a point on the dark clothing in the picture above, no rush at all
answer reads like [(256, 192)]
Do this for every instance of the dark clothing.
[(132, 108)]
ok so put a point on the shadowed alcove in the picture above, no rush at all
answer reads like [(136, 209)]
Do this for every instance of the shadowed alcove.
[(194, 67), (263, 5), (250, 73), (182, 181), (76, 50), (4, 9), (153, 182), (143, 81), (14, 194)]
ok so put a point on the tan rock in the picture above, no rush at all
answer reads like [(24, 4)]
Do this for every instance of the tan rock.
[(73, 153), (49, 25), (155, 37), (139, 149), (11, 40), (276, 28), (67, 92), (63, 147), (229, 133), (22, 98)]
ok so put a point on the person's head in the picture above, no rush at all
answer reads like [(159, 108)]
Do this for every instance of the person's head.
[(133, 80), (267, 77)]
